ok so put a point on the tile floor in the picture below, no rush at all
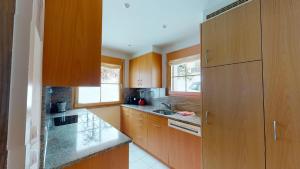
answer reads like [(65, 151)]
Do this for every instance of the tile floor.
[(139, 159)]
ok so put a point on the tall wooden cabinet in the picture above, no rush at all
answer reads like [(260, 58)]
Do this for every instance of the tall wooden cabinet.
[(281, 57), (72, 42), (232, 87), (233, 126), (232, 37), (146, 71)]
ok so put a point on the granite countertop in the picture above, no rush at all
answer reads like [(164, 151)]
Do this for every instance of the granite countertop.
[(194, 120), (70, 143)]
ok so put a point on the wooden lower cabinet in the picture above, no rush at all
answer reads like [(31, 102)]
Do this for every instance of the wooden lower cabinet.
[(116, 158), (134, 125), (184, 150), (175, 148), (126, 121), (139, 128), (157, 140), (233, 124)]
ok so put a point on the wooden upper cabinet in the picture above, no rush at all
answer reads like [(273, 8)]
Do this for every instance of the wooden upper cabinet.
[(134, 78), (233, 127), (281, 57), (72, 42), (232, 37), (146, 71)]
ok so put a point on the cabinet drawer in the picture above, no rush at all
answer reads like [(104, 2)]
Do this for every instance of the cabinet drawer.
[(157, 120)]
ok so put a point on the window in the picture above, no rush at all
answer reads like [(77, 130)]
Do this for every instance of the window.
[(109, 92), (186, 75)]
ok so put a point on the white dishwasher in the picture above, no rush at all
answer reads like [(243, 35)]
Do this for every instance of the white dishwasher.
[(188, 128)]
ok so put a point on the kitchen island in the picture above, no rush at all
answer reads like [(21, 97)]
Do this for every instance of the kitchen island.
[(87, 141)]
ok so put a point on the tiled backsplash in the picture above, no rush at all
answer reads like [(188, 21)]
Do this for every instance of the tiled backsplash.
[(52, 95), (157, 96), (154, 96)]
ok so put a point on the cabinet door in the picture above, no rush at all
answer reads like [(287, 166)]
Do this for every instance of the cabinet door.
[(134, 73), (146, 70), (72, 43), (184, 150), (157, 137), (126, 121), (156, 71), (233, 128), (281, 57), (232, 37), (140, 128)]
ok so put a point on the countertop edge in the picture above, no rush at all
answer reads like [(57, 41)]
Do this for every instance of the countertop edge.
[(93, 154)]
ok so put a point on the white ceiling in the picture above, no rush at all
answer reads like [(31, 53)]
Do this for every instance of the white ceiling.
[(141, 25)]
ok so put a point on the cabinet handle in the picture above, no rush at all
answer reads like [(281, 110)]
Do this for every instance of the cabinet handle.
[(206, 117), (275, 130), (206, 57)]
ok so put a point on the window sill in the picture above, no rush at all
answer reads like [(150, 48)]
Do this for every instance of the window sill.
[(97, 105)]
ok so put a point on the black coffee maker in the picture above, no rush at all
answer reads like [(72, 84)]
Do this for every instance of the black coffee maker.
[(132, 100)]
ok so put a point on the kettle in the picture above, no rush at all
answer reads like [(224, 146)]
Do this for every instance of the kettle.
[(142, 102)]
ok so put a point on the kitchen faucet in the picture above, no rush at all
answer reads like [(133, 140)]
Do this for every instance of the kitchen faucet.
[(168, 106)]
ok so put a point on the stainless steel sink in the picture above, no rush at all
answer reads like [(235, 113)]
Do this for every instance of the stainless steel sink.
[(164, 112)]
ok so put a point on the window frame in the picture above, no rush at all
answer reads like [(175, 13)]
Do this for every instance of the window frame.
[(180, 54), (104, 60)]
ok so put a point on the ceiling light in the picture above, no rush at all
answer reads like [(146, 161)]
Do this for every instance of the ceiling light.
[(127, 5)]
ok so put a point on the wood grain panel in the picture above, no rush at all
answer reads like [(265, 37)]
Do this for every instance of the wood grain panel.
[(146, 71), (156, 71), (126, 121), (139, 128), (7, 8), (157, 141), (189, 51), (184, 150), (281, 57), (134, 73), (232, 37), (233, 136), (72, 43), (116, 158)]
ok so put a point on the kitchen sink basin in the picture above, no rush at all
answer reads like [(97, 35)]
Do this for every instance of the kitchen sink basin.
[(165, 112)]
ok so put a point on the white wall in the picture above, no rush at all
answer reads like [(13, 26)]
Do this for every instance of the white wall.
[(25, 97)]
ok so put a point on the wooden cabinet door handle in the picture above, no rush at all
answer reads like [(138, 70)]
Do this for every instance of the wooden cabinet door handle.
[(206, 117), (275, 130), (206, 56)]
